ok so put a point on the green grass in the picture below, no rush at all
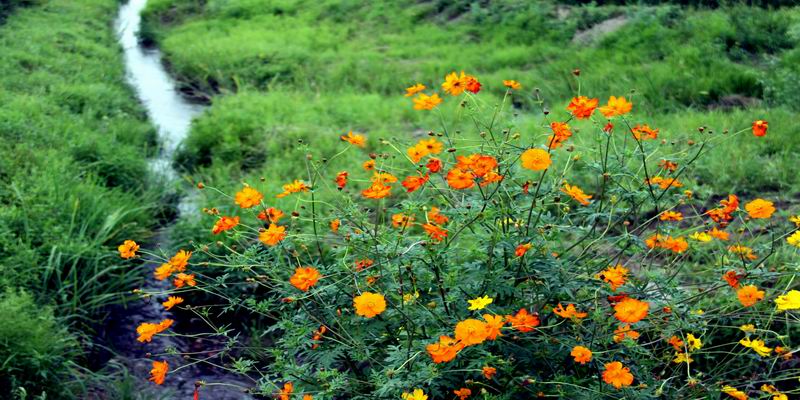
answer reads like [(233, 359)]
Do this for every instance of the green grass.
[(74, 183), (307, 70)]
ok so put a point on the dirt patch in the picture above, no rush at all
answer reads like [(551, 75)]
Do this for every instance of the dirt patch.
[(597, 31)]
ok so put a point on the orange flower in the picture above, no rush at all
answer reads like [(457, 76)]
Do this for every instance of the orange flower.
[(437, 234), (677, 245), (445, 350), (341, 180), (624, 331), (523, 321), (412, 183), (180, 260), (725, 213), (488, 372), (644, 131), (412, 90), (664, 183), (272, 235), (364, 264), (721, 235), (425, 102), (471, 331), (462, 393), (402, 220), (377, 191), (159, 372), (669, 166), (616, 106), (535, 159), (760, 128), (581, 354), (128, 249), (569, 313), (582, 107), (460, 179), (293, 187), (437, 217), (576, 193), (560, 135), (677, 343), (182, 280), (671, 216), (759, 208), (434, 165), (271, 215), (472, 84), (147, 330), (732, 278), (630, 310), (749, 295), (248, 197), (369, 304), (616, 276), (512, 84), (354, 139), (483, 165), (224, 224), (286, 392), (735, 393), (368, 165), (172, 301), (163, 272), (522, 249), (335, 225), (304, 278), (493, 325), (615, 374)]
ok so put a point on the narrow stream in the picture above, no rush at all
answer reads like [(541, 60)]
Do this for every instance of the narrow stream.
[(172, 115)]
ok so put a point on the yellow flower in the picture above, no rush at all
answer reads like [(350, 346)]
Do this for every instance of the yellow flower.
[(701, 237), (748, 328), (682, 358), (795, 219), (789, 301), (776, 394), (409, 298), (479, 303), (693, 342), (756, 345), (794, 239), (417, 394)]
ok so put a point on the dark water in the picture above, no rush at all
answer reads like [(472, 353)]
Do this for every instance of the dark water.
[(172, 114)]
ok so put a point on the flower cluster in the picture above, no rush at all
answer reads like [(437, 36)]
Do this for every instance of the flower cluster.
[(563, 262)]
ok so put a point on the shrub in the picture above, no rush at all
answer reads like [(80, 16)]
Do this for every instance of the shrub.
[(572, 260), (34, 350)]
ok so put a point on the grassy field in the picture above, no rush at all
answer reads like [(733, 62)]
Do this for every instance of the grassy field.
[(283, 71), (74, 182), (287, 76)]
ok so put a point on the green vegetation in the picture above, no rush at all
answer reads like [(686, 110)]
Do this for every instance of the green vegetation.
[(312, 70), (73, 184)]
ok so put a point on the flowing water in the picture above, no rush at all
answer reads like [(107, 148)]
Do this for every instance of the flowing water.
[(172, 114)]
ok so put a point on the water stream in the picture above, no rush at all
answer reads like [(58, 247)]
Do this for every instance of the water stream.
[(172, 114)]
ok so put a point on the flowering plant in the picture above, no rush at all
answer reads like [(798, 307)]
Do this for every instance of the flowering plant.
[(569, 261)]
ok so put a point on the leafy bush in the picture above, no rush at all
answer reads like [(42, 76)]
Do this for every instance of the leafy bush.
[(571, 258), (34, 350)]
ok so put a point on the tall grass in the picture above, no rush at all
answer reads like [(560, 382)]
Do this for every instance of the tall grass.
[(74, 183)]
